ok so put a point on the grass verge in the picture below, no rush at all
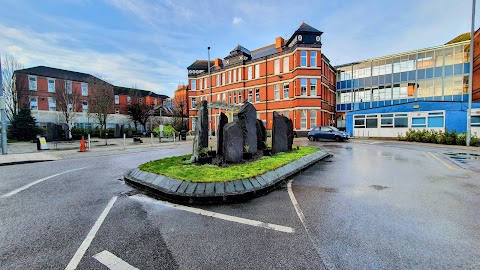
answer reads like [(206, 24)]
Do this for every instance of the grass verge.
[(177, 168)]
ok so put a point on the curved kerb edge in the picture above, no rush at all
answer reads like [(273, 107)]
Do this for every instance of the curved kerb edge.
[(218, 192)]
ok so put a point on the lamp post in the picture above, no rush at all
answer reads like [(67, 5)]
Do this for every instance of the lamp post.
[(3, 114), (470, 81), (210, 88)]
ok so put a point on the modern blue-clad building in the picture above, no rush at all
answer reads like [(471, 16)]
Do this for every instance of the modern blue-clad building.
[(426, 89)]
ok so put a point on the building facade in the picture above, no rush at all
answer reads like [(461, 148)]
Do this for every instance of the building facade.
[(385, 96), (291, 77)]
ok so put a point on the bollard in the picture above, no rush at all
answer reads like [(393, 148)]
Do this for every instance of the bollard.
[(89, 142), (151, 138), (124, 140), (174, 136)]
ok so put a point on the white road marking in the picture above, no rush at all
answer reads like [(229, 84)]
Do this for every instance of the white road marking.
[(36, 182), (112, 262), (217, 215), (88, 240), (321, 253)]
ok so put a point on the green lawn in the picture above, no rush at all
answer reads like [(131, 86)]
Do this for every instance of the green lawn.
[(174, 167)]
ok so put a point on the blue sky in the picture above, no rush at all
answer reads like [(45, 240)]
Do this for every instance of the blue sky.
[(149, 44)]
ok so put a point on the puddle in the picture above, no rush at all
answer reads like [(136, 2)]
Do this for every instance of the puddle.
[(329, 190), (378, 187), (463, 157)]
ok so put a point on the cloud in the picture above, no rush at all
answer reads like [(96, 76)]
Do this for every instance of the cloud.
[(119, 68), (237, 21)]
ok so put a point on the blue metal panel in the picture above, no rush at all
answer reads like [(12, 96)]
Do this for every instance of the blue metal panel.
[(344, 85), (403, 101), (338, 85), (466, 68), (411, 75), (437, 98), (388, 102), (338, 107), (411, 100), (457, 97), (457, 69), (367, 105), (448, 98), (465, 97), (404, 76), (361, 106), (375, 104), (429, 73), (349, 107), (396, 101), (421, 99), (438, 72)]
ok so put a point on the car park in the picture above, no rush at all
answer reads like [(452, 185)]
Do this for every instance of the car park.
[(326, 133)]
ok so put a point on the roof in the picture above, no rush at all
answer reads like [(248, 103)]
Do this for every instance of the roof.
[(240, 48), (264, 51), (119, 90), (305, 28), (460, 38), (60, 74), (200, 64)]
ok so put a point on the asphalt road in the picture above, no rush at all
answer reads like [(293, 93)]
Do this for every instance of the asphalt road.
[(373, 205)]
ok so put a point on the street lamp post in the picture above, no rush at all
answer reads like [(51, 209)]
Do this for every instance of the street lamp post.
[(3, 114), (469, 111), (210, 88)]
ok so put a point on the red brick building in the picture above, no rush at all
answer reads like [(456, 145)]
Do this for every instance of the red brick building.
[(125, 96), (476, 67), (291, 77)]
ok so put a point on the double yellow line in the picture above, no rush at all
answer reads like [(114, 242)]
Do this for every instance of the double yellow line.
[(441, 161)]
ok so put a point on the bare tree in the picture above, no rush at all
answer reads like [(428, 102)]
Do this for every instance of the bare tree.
[(180, 112), (15, 89), (140, 113), (101, 105), (68, 103)]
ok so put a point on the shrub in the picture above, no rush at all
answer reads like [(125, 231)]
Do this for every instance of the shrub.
[(167, 130), (23, 126), (409, 135), (462, 139), (440, 137), (426, 136), (475, 141), (433, 136), (417, 136), (451, 137), (400, 137)]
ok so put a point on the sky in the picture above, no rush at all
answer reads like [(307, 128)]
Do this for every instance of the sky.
[(149, 44)]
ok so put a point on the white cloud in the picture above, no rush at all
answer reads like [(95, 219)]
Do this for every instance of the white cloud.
[(237, 20)]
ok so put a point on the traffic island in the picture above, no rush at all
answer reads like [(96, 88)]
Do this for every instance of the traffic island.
[(198, 191)]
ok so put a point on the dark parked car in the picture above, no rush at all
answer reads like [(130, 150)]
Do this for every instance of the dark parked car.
[(327, 132)]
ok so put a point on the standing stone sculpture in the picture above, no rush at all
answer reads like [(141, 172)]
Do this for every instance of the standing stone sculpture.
[(232, 142), (221, 123), (279, 134), (289, 133), (201, 131), (247, 117), (261, 135)]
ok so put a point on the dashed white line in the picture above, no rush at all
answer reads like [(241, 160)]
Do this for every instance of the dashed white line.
[(202, 212), (112, 262), (13, 192), (88, 240)]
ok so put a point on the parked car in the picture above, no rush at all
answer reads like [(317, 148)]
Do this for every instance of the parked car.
[(328, 133)]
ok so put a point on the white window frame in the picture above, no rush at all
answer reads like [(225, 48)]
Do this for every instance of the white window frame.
[(313, 87), (51, 101), (303, 87), (286, 87), (313, 118), (84, 89), (257, 94), (276, 92), (229, 76), (223, 78), (129, 99), (315, 58), (194, 84), (276, 66), (249, 72), (250, 95), (240, 96), (51, 86), (34, 107), (234, 75), (217, 80), (303, 119), (84, 106), (69, 87), (286, 64), (117, 99), (257, 71), (303, 57), (194, 103), (117, 110), (32, 86), (239, 74)]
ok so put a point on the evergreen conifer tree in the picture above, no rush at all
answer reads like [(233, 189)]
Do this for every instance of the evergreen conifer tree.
[(23, 126)]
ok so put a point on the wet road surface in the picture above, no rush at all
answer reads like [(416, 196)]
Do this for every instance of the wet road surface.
[(370, 206)]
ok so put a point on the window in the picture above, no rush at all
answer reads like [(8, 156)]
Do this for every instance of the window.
[(303, 87), (240, 96), (234, 97), (313, 87), (286, 88), (52, 105), (69, 106), (229, 76), (239, 74), (372, 121), (257, 71), (194, 84), (218, 97), (117, 99), (401, 120), (276, 91), (223, 97), (249, 73), (313, 118), (286, 64), (257, 94), (276, 66), (140, 100), (386, 120), (419, 122), (435, 120), (68, 86), (117, 111), (303, 119), (303, 58), (84, 89), (249, 95), (51, 85), (217, 80), (205, 83), (33, 103), (359, 121), (194, 102), (223, 78), (313, 59), (32, 83), (475, 121), (84, 106), (129, 99)]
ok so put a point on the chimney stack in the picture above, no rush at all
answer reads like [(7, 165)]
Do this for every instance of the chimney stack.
[(279, 43)]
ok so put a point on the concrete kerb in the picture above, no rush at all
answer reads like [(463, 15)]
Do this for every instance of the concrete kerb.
[(218, 192)]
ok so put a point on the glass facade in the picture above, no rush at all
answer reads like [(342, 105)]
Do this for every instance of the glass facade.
[(439, 73)]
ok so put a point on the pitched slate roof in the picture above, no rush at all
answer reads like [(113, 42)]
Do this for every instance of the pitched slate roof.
[(60, 74), (240, 48), (305, 28), (264, 51), (119, 90), (200, 64)]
